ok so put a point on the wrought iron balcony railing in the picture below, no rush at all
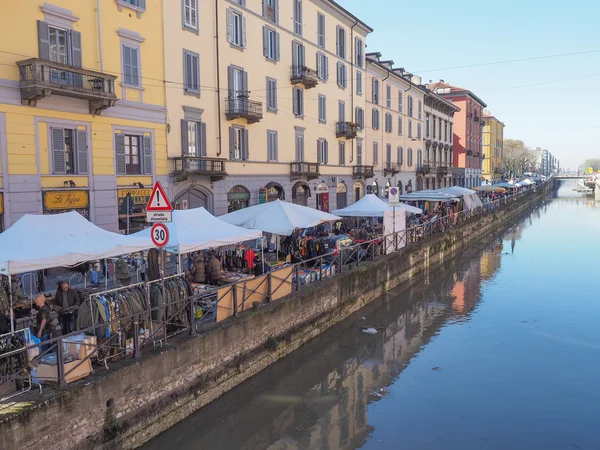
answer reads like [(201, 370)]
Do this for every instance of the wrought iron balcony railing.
[(346, 130), (193, 165), (240, 106), (362, 171), (304, 75), (304, 169)]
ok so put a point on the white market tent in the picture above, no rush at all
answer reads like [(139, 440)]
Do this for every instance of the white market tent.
[(278, 217), (372, 206), (428, 195), (470, 197), (37, 242), (196, 229)]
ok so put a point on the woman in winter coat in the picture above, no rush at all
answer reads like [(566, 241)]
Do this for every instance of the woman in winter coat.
[(214, 269), (198, 270)]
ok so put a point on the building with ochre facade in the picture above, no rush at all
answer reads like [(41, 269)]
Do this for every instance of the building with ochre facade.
[(82, 109), (493, 148)]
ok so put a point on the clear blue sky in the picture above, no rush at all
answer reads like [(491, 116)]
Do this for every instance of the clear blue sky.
[(560, 116)]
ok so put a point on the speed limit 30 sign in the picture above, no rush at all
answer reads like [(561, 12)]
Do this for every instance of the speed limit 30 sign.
[(159, 234)]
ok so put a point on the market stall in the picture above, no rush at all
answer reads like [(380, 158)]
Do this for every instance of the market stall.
[(470, 198)]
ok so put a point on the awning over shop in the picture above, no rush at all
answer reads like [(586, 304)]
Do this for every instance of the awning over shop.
[(197, 229), (490, 188), (38, 242), (372, 206), (507, 185), (470, 197), (428, 195), (278, 217)]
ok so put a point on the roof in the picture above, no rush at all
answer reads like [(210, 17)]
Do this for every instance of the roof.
[(441, 99), (491, 116), (349, 14), (450, 90)]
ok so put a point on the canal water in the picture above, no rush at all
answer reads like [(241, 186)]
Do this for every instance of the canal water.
[(499, 350)]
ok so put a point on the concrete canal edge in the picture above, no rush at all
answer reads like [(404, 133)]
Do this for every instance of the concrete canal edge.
[(135, 401)]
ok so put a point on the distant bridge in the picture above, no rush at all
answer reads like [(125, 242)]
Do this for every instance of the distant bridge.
[(571, 177)]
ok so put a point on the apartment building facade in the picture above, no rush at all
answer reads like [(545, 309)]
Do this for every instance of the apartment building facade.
[(266, 102), (468, 133), (394, 129), (439, 130), (493, 148), (82, 109)]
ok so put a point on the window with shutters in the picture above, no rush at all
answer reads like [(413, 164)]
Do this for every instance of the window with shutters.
[(193, 138), (298, 17), (271, 10), (133, 162), (69, 151), (190, 14), (375, 152), (322, 156), (342, 152), (321, 30), (388, 123), (298, 99), (139, 6), (299, 144), (341, 42), (399, 125), (375, 119), (341, 111), (388, 96), (400, 94), (322, 66), (399, 155), (131, 66), (133, 154), (341, 75), (359, 147), (410, 105), (322, 108), (419, 110), (388, 154), (238, 144), (418, 131), (59, 45), (191, 73), (236, 28), (359, 52), (271, 94), (358, 82), (272, 144), (427, 125), (375, 93), (271, 43), (410, 135), (360, 118)]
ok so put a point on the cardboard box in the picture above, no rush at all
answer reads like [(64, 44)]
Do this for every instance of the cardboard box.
[(77, 369), (81, 349)]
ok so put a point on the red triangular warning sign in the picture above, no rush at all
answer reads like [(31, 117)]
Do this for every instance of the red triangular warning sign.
[(159, 200)]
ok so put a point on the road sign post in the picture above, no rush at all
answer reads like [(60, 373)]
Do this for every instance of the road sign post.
[(159, 209), (394, 201)]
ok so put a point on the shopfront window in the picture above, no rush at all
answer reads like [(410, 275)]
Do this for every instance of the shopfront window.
[(274, 192), (238, 198), (341, 197), (359, 190), (300, 194)]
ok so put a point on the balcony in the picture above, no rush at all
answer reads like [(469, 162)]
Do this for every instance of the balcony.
[(192, 165), (442, 171), (363, 172), (304, 75), (346, 130), (244, 108), (39, 78), (299, 170), (391, 169), (423, 169)]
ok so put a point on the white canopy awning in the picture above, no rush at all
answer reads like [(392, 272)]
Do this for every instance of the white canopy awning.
[(38, 242), (428, 195), (372, 206), (470, 197), (197, 229), (278, 217)]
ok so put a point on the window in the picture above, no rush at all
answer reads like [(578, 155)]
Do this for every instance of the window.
[(272, 145), (388, 123), (190, 14), (427, 124), (322, 108), (409, 157), (342, 152), (399, 125), (298, 58), (388, 154), (340, 42), (270, 43), (410, 106), (191, 73), (299, 144), (358, 82), (238, 144), (193, 138), (375, 119), (271, 94), (375, 152), (69, 151), (434, 127), (445, 131), (341, 111), (440, 129), (418, 131), (271, 10), (359, 52), (388, 96), (375, 93), (360, 118), (134, 154), (410, 129), (400, 100), (419, 110), (322, 151), (322, 66), (321, 30), (131, 66), (341, 75), (419, 158), (236, 28), (58, 45), (359, 152), (298, 99), (298, 17), (399, 155)]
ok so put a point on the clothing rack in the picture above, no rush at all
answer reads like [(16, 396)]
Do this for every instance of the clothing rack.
[(28, 378)]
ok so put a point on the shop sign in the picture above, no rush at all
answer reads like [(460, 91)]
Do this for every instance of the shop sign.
[(1, 203), (262, 196), (322, 189), (66, 200), (139, 197), (341, 188)]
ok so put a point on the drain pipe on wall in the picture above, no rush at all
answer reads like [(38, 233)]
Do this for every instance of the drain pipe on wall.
[(218, 77), (99, 36)]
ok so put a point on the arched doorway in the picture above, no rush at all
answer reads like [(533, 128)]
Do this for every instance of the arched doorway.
[(419, 183), (238, 197), (193, 196), (274, 192), (322, 191), (341, 197), (359, 190), (400, 188), (300, 193), (409, 187), (373, 188)]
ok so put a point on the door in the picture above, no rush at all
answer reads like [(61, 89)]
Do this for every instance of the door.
[(298, 55), (238, 90), (359, 155)]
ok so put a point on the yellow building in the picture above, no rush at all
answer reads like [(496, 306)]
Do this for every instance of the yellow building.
[(262, 101), (82, 108), (493, 143)]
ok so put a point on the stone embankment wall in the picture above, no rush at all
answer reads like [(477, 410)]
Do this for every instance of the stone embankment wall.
[(132, 403)]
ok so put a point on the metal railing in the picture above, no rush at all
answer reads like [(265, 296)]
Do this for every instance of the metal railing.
[(234, 298), (346, 130), (304, 169), (361, 171), (302, 74), (199, 165), (240, 106)]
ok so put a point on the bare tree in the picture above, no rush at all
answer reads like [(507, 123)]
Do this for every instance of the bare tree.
[(518, 159)]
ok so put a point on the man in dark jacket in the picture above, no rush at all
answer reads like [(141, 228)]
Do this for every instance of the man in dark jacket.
[(198, 270), (68, 300), (213, 269)]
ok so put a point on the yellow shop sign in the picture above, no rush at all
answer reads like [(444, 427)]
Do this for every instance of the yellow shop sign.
[(60, 200)]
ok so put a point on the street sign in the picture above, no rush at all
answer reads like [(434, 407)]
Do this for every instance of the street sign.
[(159, 234), (394, 196), (159, 208)]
